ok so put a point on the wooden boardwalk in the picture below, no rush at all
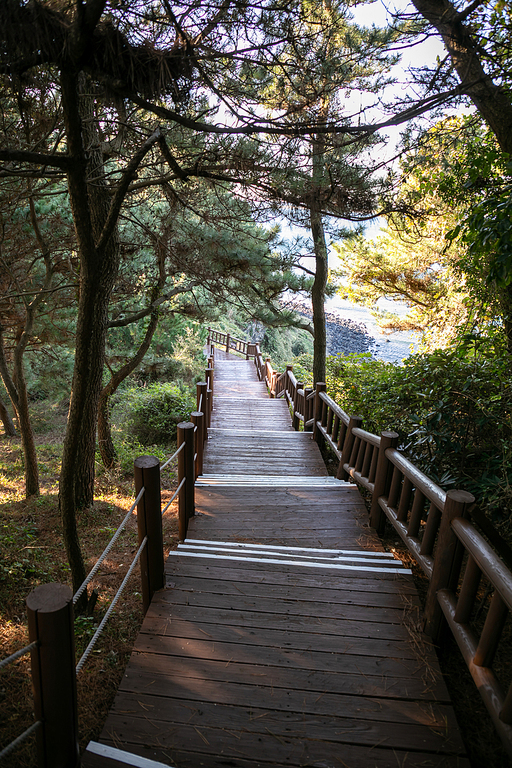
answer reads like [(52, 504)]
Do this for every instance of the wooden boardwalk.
[(285, 636)]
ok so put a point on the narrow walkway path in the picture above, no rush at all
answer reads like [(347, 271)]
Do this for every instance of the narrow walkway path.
[(285, 636)]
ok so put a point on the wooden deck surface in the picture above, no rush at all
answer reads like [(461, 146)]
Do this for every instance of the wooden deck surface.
[(285, 636)]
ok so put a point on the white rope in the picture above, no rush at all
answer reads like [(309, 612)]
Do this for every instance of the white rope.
[(178, 489), (14, 744), (109, 546), (17, 654), (111, 608), (172, 457)]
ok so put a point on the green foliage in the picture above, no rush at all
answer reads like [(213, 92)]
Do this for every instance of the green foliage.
[(152, 413), (452, 410)]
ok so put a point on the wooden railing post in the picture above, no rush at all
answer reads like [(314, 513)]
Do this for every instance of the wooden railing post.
[(307, 409), (296, 420), (354, 421), (149, 523), (208, 374), (446, 560), (50, 624), (268, 376), (185, 470), (198, 419), (317, 435), (228, 342), (382, 480)]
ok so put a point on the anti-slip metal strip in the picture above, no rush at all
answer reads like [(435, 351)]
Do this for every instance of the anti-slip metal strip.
[(367, 567), (354, 558), (277, 547)]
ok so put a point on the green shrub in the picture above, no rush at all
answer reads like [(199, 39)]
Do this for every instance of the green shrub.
[(152, 413)]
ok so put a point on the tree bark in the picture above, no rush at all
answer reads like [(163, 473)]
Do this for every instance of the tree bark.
[(9, 428), (17, 391), (318, 295), (321, 261), (492, 101)]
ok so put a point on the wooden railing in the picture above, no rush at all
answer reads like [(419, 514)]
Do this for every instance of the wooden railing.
[(435, 526)]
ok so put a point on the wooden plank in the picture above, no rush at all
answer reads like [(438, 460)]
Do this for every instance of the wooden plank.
[(155, 670), (184, 569), (335, 729), (345, 629), (330, 597), (334, 660), (272, 638), (211, 746)]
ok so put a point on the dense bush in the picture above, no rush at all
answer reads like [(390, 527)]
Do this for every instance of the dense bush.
[(452, 410), (152, 413)]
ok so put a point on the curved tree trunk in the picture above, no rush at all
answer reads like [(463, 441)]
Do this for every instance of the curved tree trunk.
[(106, 444), (9, 428), (95, 216)]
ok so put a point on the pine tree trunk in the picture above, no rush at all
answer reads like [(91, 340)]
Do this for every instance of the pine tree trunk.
[(318, 295), (17, 391), (9, 428)]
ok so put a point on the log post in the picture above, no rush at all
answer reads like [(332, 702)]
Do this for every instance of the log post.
[(382, 480), (228, 343), (354, 421), (446, 560), (185, 470), (209, 342), (317, 435), (149, 523), (198, 420), (201, 396), (308, 409), (50, 624), (295, 419), (208, 374)]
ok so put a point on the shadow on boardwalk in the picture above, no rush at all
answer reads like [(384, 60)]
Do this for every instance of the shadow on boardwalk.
[(280, 638)]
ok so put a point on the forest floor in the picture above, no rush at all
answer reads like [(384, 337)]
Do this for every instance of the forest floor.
[(32, 553)]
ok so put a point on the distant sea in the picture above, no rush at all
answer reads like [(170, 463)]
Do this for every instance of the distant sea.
[(392, 347)]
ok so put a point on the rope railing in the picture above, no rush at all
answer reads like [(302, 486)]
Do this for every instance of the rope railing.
[(107, 549), (108, 613), (176, 492), (18, 741), (17, 655), (6, 751), (171, 458)]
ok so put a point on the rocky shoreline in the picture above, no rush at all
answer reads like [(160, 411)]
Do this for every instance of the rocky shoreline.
[(344, 336)]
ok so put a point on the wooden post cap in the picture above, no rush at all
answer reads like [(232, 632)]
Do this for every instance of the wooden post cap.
[(186, 425), (461, 497), (48, 598), (146, 462)]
